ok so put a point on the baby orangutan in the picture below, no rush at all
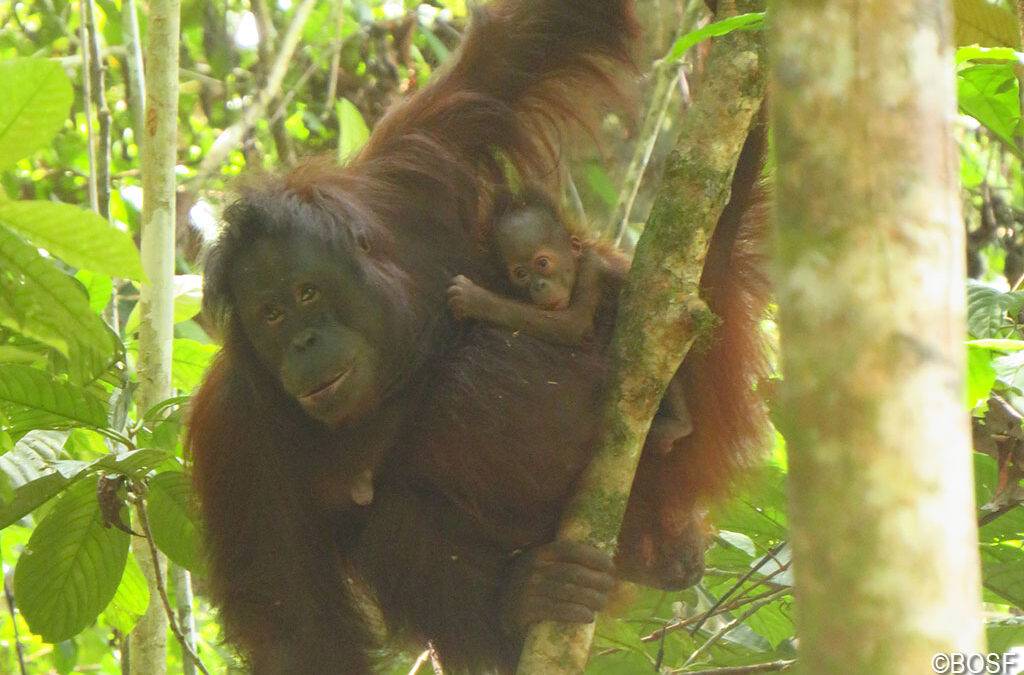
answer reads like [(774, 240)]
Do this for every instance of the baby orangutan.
[(561, 280)]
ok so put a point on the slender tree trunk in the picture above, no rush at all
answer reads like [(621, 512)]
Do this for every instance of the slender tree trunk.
[(159, 155), (659, 314), (871, 298)]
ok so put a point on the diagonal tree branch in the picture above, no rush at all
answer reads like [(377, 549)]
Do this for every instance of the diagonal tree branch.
[(659, 312)]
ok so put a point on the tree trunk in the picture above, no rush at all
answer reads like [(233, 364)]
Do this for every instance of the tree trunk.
[(871, 300), (660, 312), (156, 329)]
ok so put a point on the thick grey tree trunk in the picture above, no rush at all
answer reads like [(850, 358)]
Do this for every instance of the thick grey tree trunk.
[(871, 308)]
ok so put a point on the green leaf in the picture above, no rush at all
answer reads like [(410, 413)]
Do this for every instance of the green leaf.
[(172, 519), (988, 309), (79, 237), (752, 21), (988, 93), (997, 344), (774, 621), (34, 469), (130, 600), (988, 54), (134, 463), (188, 300), (37, 97), (71, 567), (30, 388), (190, 361), (352, 130), (981, 22), (99, 287), (980, 375), (1004, 634), (47, 305)]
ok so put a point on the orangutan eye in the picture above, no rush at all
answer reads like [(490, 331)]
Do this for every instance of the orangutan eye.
[(520, 274), (543, 263), (272, 314), (308, 293)]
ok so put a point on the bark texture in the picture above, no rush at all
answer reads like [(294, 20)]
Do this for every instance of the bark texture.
[(660, 313), (872, 312)]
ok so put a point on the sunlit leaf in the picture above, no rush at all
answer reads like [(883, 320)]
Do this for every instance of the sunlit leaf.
[(71, 567), (352, 130), (36, 99), (173, 520), (77, 236)]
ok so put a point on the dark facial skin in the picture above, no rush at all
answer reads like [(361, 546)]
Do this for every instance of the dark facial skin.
[(311, 322), (540, 256)]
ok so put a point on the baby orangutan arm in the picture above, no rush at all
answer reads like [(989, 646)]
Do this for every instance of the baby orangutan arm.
[(572, 326)]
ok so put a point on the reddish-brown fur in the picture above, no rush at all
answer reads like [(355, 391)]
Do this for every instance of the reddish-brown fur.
[(488, 431)]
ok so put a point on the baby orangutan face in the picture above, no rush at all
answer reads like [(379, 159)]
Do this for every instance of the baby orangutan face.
[(540, 255)]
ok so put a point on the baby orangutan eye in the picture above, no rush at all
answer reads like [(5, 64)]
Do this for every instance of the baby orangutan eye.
[(272, 315), (543, 263), (308, 293), (520, 273)]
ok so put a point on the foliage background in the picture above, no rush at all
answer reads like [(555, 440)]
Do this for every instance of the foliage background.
[(68, 288)]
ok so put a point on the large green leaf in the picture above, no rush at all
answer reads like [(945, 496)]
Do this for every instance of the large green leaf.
[(22, 386), (36, 99), (987, 310), (981, 22), (38, 478), (190, 361), (752, 21), (130, 600), (27, 387), (44, 303), (71, 567), (173, 520), (352, 130), (79, 237), (988, 93)]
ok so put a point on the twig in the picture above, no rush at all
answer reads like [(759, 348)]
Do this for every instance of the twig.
[(268, 35), (1001, 511), (183, 600), (232, 137), (90, 141), (666, 74), (679, 624), (95, 75), (282, 106), (332, 73), (727, 628), (771, 667), (140, 505), (14, 619), (770, 555), (133, 61)]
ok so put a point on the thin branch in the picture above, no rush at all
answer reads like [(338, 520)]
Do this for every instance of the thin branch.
[(666, 75), (231, 138), (730, 606), (186, 620), (136, 78), (772, 667), (18, 648), (96, 76), (728, 628), (770, 555), (140, 506), (90, 140)]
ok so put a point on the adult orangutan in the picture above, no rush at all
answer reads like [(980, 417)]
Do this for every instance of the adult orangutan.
[(341, 361)]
